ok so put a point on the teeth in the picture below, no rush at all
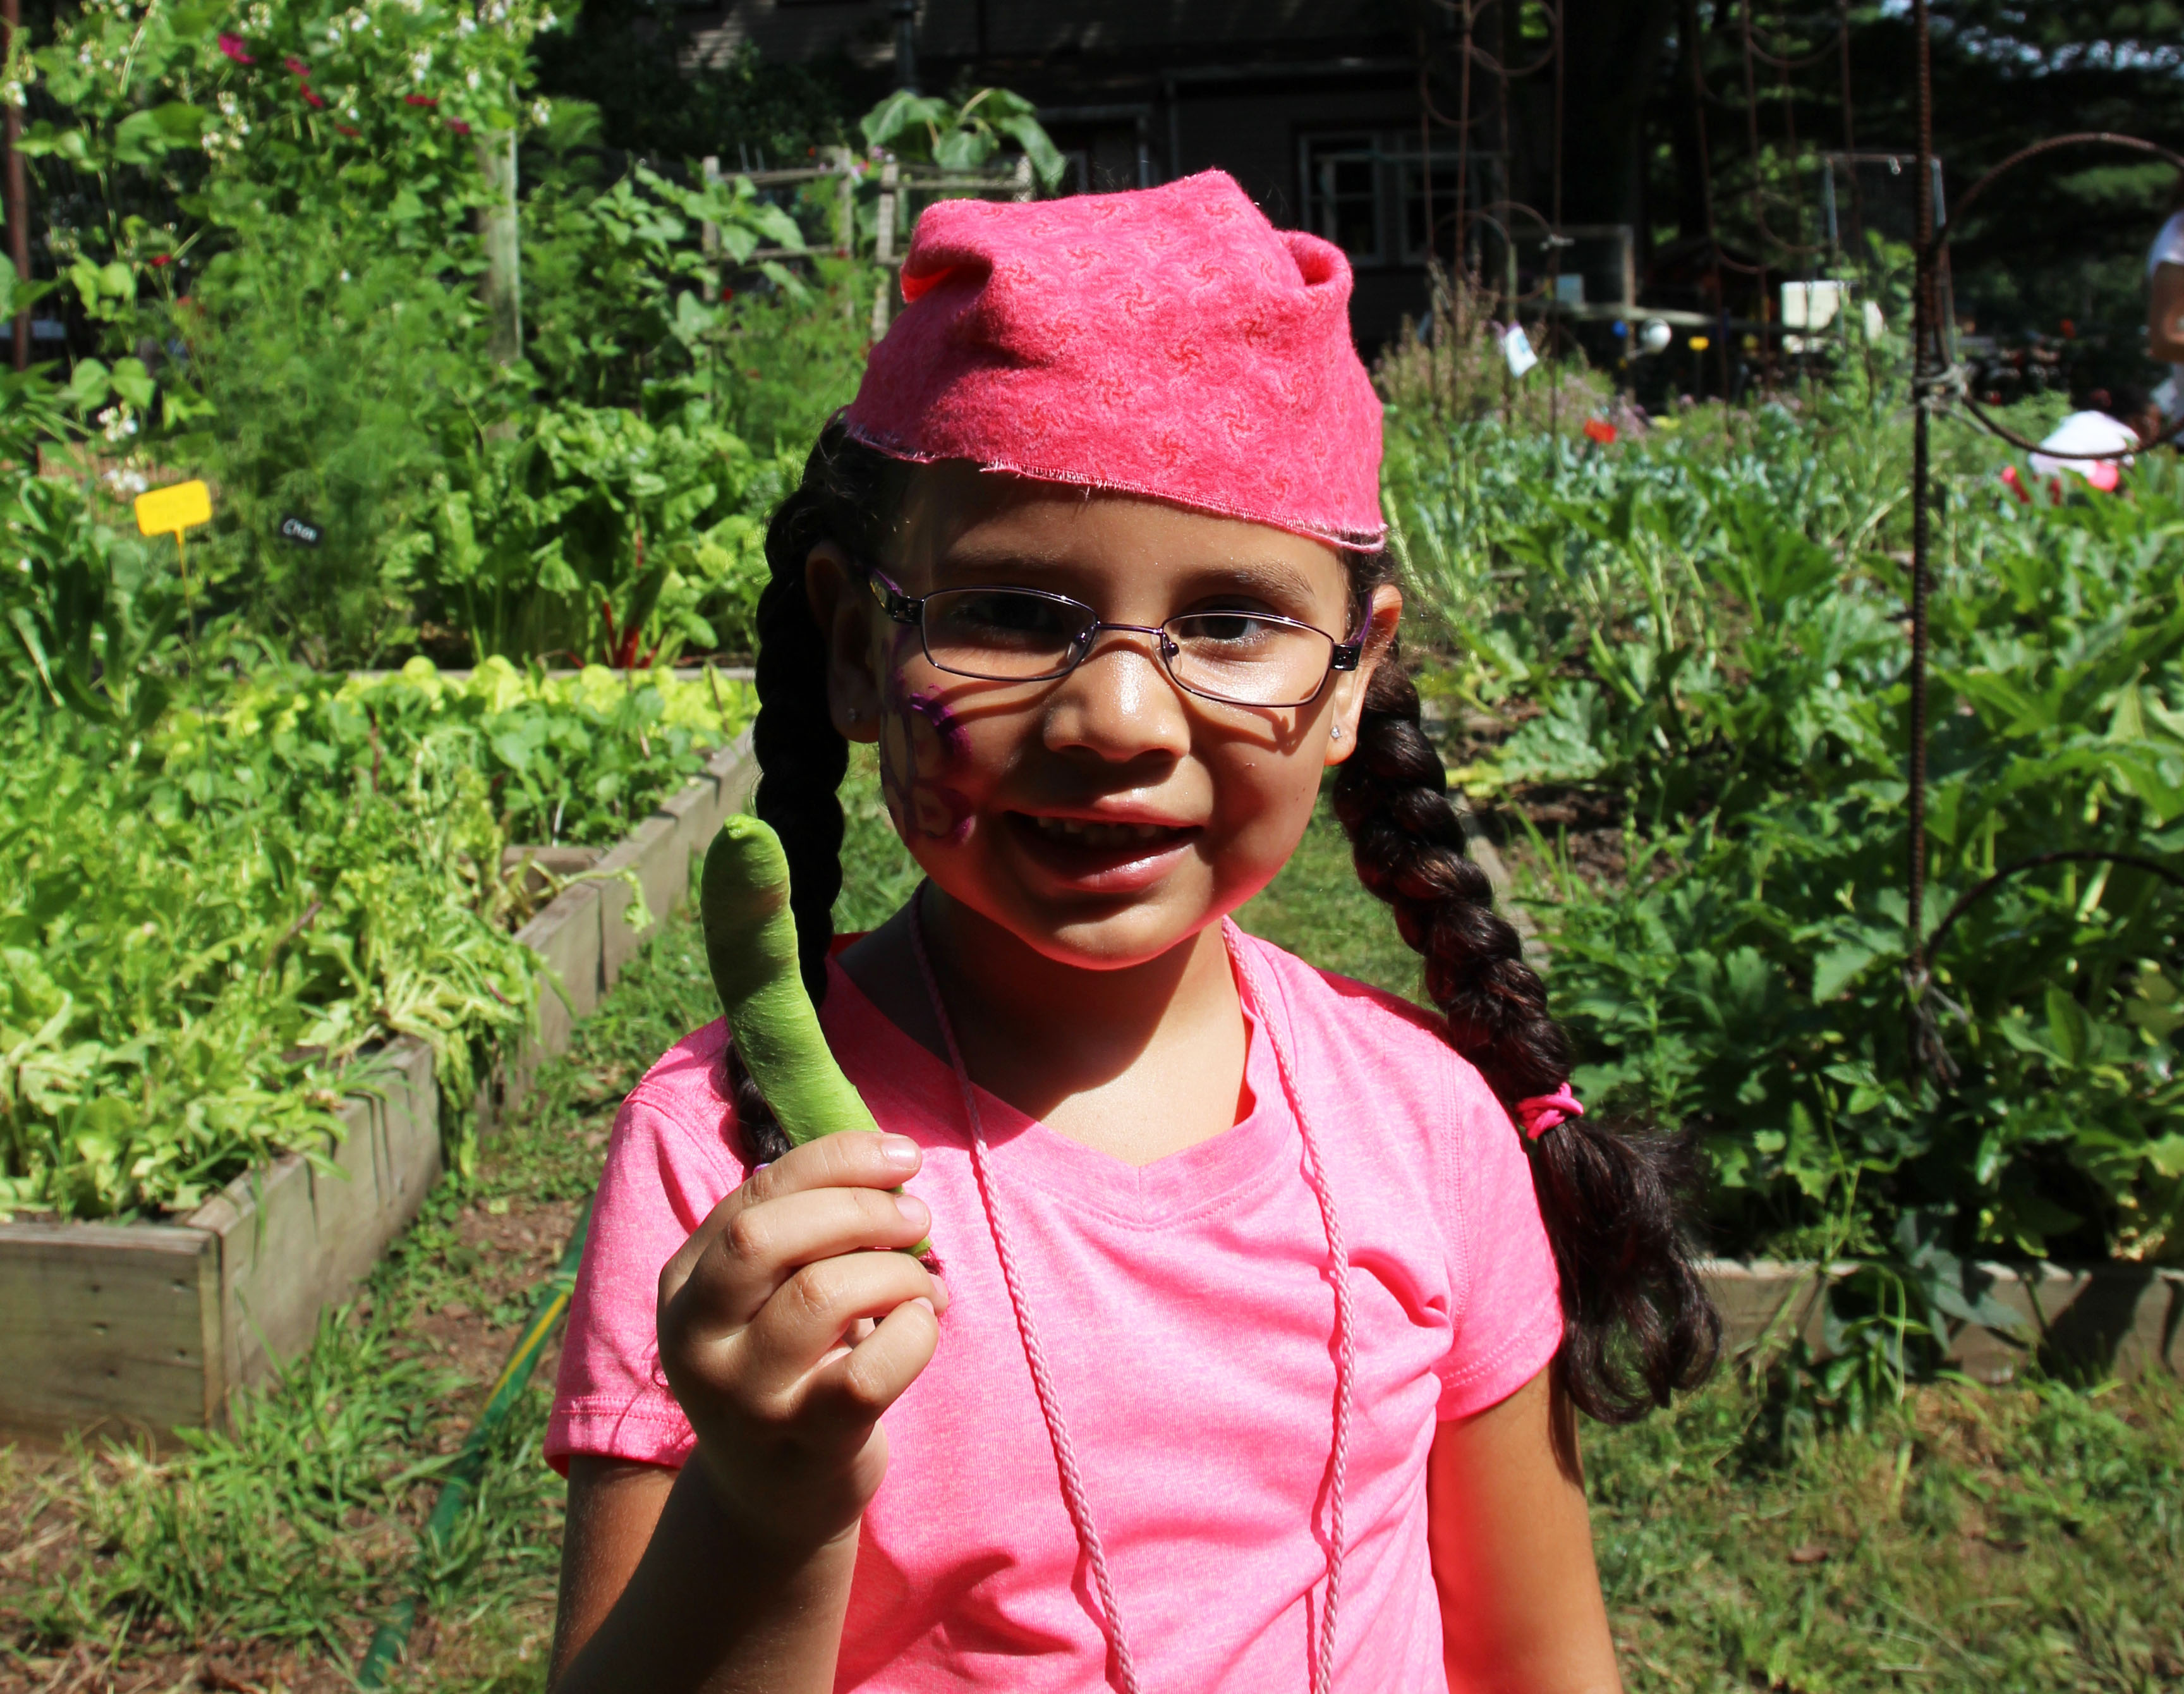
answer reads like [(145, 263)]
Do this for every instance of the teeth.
[(1081, 832)]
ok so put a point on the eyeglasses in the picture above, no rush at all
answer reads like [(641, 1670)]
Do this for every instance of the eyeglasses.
[(1026, 635)]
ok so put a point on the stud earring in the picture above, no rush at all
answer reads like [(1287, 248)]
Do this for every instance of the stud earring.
[(1337, 734), (852, 715)]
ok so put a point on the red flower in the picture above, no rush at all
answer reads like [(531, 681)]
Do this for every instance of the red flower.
[(347, 131), (295, 65), (459, 126), (158, 259), (726, 293), (314, 99), (1599, 430), (232, 46), (419, 100)]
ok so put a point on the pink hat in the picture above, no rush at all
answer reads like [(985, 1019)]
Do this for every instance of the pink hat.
[(1169, 342)]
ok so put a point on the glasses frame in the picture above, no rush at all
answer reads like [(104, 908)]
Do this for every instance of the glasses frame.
[(909, 610)]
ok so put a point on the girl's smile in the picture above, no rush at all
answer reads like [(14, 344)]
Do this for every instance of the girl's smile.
[(1101, 854)]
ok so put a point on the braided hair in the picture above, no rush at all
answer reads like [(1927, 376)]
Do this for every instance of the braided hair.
[(848, 495), (1637, 1323)]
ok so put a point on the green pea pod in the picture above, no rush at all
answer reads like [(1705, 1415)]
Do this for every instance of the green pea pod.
[(750, 943)]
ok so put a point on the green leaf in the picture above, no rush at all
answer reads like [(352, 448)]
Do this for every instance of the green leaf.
[(1046, 159), (776, 225), (2066, 1026), (89, 384), (2166, 1155), (900, 111), (140, 138), (133, 382), (1835, 969)]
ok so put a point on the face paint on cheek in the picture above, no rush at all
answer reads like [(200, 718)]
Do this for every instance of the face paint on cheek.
[(919, 740)]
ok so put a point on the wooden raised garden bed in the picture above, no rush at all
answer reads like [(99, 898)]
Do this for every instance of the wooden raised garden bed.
[(2123, 1319), (156, 1325)]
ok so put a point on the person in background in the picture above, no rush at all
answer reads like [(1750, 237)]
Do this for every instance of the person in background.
[(2164, 305), (2115, 422)]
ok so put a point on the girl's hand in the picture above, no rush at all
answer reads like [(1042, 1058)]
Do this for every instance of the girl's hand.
[(789, 1321)]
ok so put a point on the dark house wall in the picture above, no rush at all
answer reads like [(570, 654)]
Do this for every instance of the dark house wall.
[(1290, 96)]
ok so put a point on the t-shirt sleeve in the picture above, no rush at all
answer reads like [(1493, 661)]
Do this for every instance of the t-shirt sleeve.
[(663, 1176), (1508, 1298)]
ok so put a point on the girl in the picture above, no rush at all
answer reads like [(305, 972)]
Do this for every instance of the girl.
[(1248, 1356)]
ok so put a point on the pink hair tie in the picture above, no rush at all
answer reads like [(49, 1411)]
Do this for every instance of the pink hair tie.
[(1542, 1112)]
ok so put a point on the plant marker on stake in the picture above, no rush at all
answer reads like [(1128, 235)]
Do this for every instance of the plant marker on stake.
[(170, 512), (750, 945)]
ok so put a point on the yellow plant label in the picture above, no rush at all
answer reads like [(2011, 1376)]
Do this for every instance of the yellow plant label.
[(170, 510)]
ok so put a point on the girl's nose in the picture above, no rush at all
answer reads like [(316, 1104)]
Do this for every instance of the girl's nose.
[(1120, 703)]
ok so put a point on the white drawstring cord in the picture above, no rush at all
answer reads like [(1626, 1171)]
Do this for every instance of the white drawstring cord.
[(1065, 1451)]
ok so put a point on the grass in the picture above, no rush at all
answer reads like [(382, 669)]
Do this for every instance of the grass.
[(1970, 1539), (2023, 1539)]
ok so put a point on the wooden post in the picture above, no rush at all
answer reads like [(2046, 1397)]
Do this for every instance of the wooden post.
[(497, 224), (890, 178), (845, 209), (19, 198), (1021, 181), (709, 234)]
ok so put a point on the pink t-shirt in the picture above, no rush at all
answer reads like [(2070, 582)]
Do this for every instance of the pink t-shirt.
[(1188, 1319)]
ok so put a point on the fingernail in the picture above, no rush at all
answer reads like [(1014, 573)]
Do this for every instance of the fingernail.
[(927, 1305), (900, 1151), (915, 1212), (941, 1295)]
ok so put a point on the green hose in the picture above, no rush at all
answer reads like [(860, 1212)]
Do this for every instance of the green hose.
[(389, 1640)]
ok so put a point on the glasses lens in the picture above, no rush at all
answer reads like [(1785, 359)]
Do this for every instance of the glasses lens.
[(1007, 633), (1248, 659)]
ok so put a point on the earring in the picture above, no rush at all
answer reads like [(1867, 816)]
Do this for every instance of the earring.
[(1337, 734), (852, 715)]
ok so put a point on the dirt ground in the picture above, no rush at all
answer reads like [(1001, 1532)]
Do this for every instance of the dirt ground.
[(495, 1261)]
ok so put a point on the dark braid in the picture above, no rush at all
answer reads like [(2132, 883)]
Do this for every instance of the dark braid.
[(847, 495), (1637, 1325)]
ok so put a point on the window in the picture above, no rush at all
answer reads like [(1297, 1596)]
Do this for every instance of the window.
[(1365, 190), (1342, 194)]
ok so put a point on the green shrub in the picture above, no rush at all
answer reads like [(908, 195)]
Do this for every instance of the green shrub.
[(595, 535), (201, 927), (1704, 639)]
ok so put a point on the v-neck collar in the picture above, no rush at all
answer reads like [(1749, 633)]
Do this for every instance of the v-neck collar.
[(910, 1088)]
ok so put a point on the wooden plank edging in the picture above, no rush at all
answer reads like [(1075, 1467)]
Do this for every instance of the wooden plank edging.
[(153, 1326), (2122, 1319)]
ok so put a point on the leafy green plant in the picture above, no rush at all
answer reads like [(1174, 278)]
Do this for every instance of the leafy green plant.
[(340, 376), (597, 534), (627, 306), (1707, 645), (88, 613), (927, 129), (200, 932), (576, 760)]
